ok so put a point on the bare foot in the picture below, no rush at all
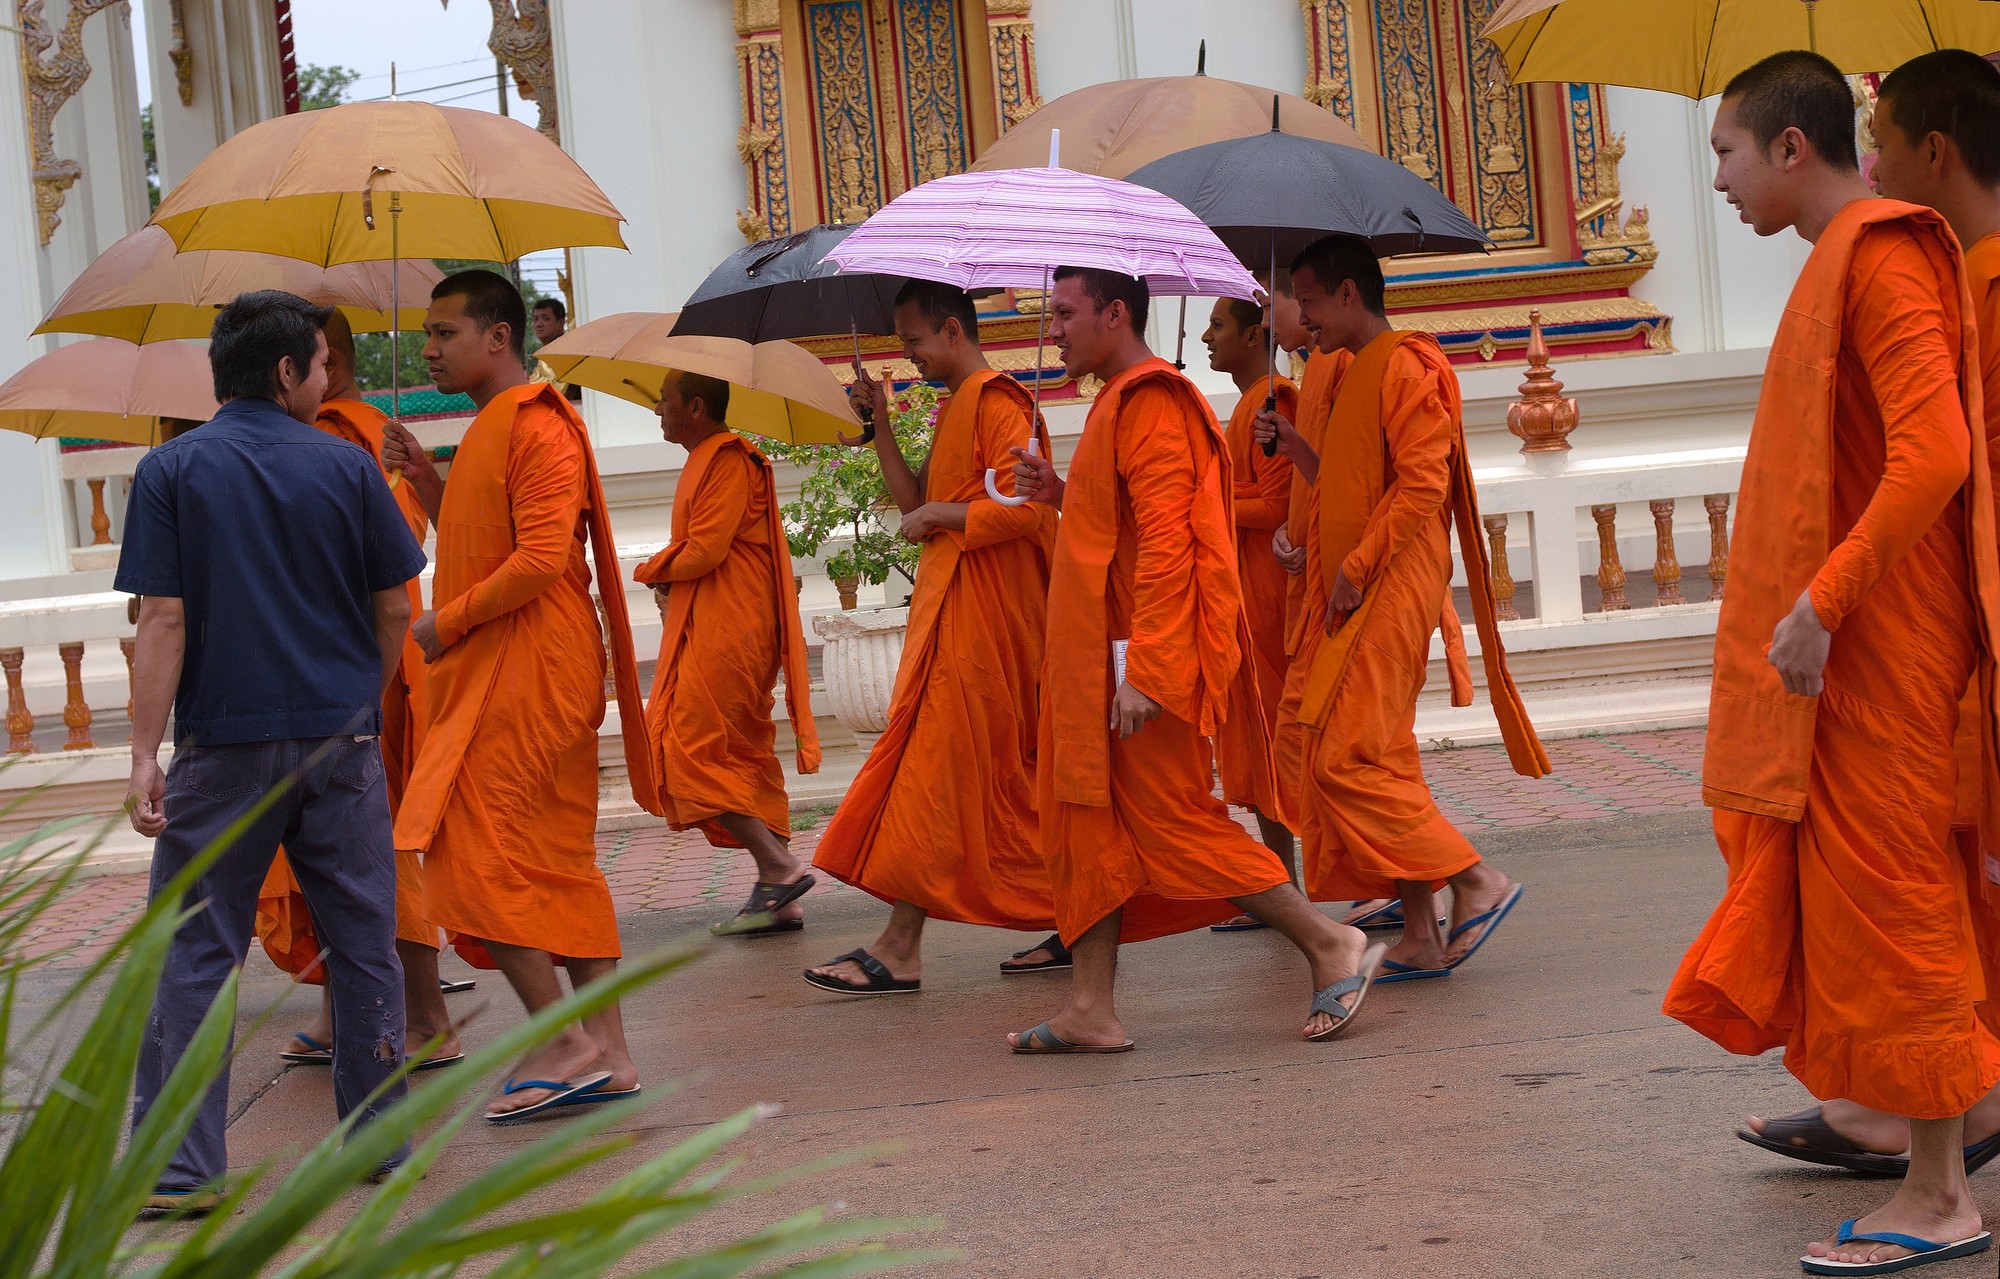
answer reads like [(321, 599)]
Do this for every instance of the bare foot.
[(1472, 895), (572, 1056), (1943, 1224), (1871, 1130), (416, 1041), (1340, 957), (848, 973), (1240, 921), (1102, 1030), (1032, 958), (1363, 910)]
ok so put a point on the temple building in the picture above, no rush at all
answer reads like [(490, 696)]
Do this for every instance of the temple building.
[(1610, 346)]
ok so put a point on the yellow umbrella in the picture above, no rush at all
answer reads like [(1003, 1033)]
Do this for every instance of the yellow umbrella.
[(1694, 47), (777, 390), (317, 186), (109, 390), (141, 290)]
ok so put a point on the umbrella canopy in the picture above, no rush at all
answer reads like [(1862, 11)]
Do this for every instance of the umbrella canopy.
[(777, 390), (1273, 194), (1112, 129), (1007, 230), (109, 390), (1694, 47), (317, 186), (141, 290), (785, 288)]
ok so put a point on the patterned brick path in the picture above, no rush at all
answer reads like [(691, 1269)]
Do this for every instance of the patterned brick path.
[(652, 868)]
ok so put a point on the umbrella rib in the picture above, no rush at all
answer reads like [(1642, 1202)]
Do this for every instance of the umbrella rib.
[(1714, 21)]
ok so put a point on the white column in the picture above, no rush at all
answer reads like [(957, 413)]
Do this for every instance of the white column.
[(99, 129), (234, 77), (650, 109)]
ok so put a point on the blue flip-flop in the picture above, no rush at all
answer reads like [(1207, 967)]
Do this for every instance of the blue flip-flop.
[(564, 1092), (1923, 1252), (1389, 916), (1492, 919), (1393, 971), (1250, 927), (316, 1054)]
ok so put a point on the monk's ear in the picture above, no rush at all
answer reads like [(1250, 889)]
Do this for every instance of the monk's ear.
[(1788, 149)]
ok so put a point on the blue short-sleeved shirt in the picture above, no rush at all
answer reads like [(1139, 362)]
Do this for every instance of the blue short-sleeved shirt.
[(274, 535)]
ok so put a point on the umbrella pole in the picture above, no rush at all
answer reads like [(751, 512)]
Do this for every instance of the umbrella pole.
[(1035, 412), (1271, 342), (1180, 339), (395, 316)]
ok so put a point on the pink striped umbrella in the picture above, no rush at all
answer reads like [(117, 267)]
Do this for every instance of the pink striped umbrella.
[(1009, 228)]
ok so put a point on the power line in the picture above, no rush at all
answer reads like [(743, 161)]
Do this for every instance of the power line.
[(442, 66), (450, 84)]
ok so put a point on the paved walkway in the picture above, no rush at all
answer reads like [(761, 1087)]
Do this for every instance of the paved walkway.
[(652, 868)]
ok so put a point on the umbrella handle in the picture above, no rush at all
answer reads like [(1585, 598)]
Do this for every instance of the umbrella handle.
[(1271, 445), (993, 490)]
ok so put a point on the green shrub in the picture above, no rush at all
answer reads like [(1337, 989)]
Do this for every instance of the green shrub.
[(73, 1183), (843, 495)]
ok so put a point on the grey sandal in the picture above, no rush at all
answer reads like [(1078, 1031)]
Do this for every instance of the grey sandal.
[(1042, 1041), (1328, 1000)]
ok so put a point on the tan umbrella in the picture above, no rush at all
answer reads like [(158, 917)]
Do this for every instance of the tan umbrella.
[(448, 183), (141, 290), (1111, 129), (107, 389), (777, 390), (1695, 47)]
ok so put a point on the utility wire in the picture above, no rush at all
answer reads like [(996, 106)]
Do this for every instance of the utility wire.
[(450, 84), (442, 66)]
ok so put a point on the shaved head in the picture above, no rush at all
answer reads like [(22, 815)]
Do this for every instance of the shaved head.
[(1797, 90), (1953, 93)]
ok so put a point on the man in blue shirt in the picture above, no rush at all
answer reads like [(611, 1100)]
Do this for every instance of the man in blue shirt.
[(271, 559)]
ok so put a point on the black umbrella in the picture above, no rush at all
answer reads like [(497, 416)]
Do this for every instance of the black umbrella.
[(1273, 194), (784, 288)]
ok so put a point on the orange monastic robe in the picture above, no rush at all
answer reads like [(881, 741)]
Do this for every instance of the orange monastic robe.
[(1982, 270), (1288, 760), (503, 800), (1146, 555), (1393, 480), (1851, 926), (1261, 497), (942, 814), (731, 624), (283, 924)]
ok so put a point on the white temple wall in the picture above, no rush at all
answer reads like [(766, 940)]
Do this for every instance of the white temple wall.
[(234, 79)]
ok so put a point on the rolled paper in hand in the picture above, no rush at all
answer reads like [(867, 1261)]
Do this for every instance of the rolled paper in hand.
[(993, 490)]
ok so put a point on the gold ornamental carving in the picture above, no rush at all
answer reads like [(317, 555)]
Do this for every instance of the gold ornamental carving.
[(520, 39), (179, 54), (753, 16), (761, 139), (1010, 39), (52, 81), (1329, 71)]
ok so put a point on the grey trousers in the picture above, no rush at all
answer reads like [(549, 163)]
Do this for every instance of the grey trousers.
[(334, 825)]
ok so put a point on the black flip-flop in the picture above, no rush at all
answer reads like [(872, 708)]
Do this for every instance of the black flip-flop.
[(1059, 957), (1808, 1138), (880, 980), (448, 987), (758, 917)]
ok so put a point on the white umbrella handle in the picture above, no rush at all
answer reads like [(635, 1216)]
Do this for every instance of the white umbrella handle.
[(993, 490)]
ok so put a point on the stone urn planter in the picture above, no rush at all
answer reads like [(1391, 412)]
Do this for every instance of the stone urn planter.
[(859, 665)]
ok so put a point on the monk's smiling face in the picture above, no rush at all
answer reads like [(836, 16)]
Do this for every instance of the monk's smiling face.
[(926, 345), (1333, 317), (1082, 331), (460, 354), (1758, 181), (1232, 345)]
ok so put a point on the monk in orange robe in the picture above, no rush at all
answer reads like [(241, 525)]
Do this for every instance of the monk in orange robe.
[(1864, 600), (1937, 122), (284, 926), (1146, 637), (731, 613), (941, 819), (1378, 582), (1239, 344), (502, 802)]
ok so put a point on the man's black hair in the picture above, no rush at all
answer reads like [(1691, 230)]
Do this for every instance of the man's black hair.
[(1247, 314), (940, 302), (490, 299), (1952, 92), (1797, 90), (713, 393), (1105, 287), (556, 305), (253, 333), (1343, 257)]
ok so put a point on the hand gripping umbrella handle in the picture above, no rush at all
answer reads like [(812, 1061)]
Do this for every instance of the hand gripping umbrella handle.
[(993, 491)]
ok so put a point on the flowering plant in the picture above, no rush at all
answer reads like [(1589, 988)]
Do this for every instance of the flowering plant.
[(843, 495)]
